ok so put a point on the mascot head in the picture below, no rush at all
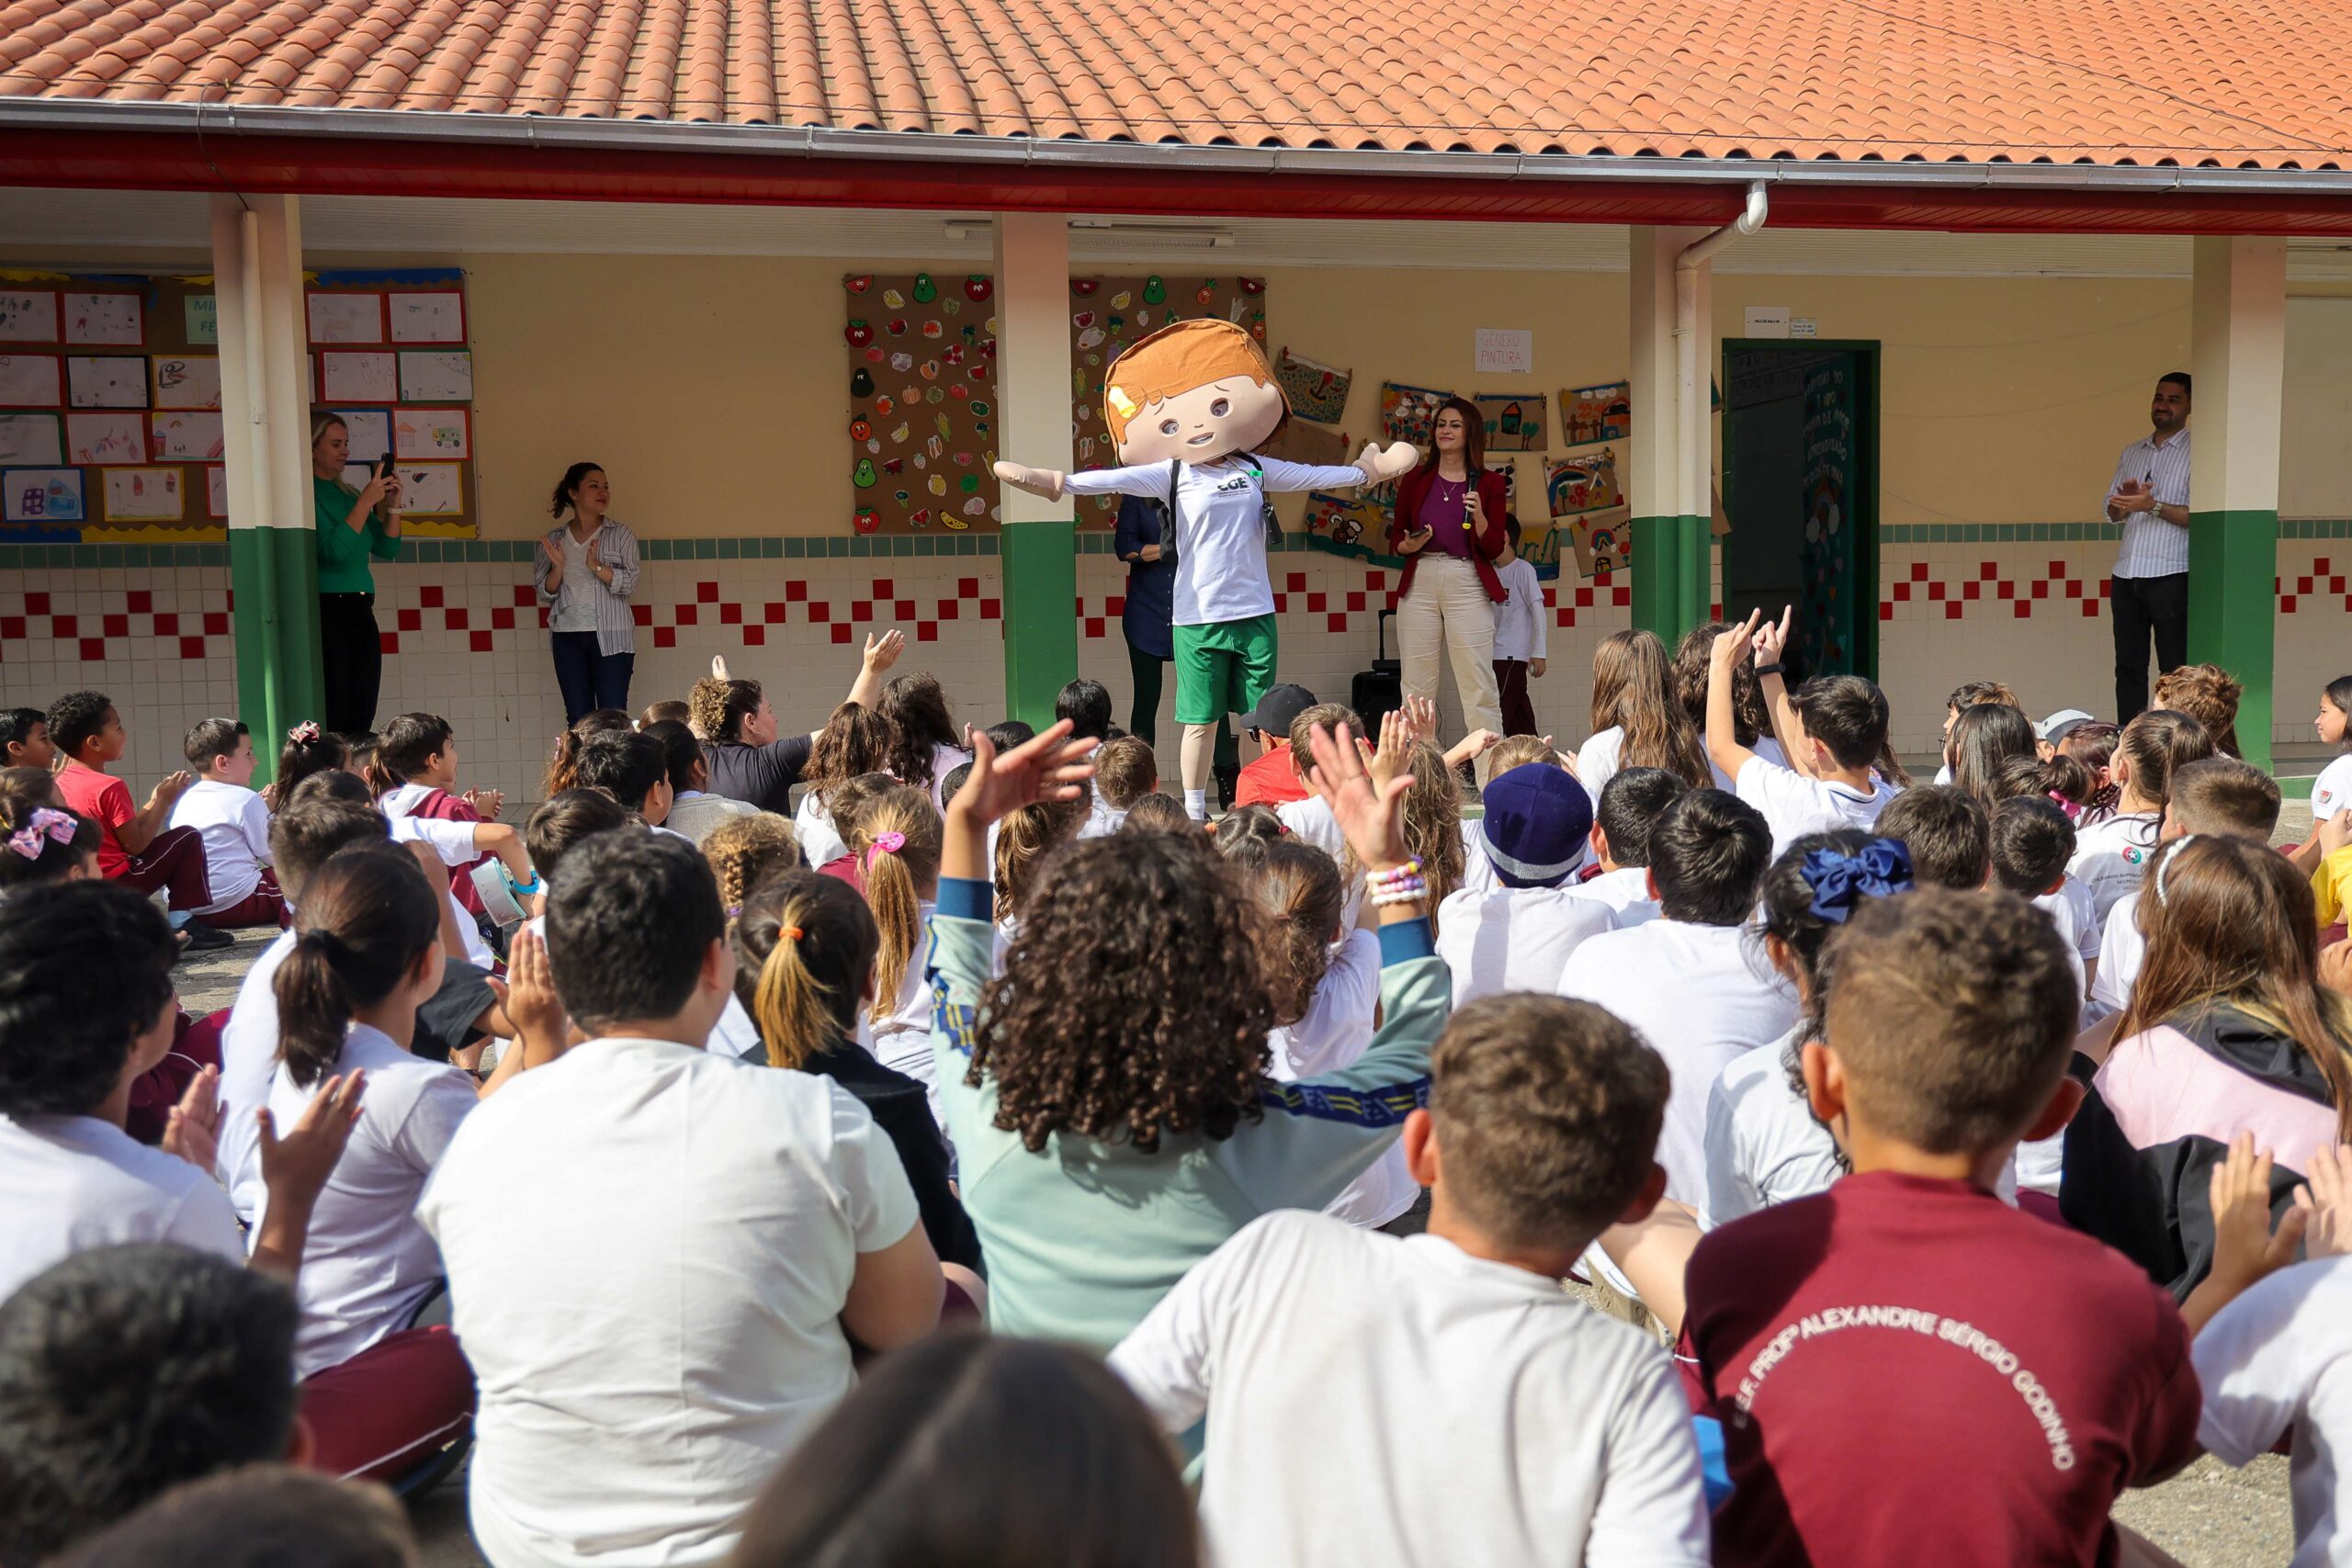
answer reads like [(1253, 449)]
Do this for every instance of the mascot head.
[(1193, 392)]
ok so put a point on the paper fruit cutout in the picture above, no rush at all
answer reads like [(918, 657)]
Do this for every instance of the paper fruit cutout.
[(939, 484), (893, 298), (861, 384), (1154, 291), (894, 467), (882, 406), (969, 484), (859, 331), (860, 283), (934, 329), (921, 519), (862, 475), (1084, 287), (951, 306), (1083, 320), (1122, 299), (874, 446), (1207, 292), (895, 326), (902, 363), (933, 396), (925, 290), (874, 355), (929, 371), (958, 392), (865, 520), (899, 436), (1253, 286), (981, 407), (902, 497), (860, 430), (977, 289)]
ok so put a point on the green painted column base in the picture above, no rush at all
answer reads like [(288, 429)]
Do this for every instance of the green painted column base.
[(275, 575), (1672, 562), (2234, 611), (1040, 623)]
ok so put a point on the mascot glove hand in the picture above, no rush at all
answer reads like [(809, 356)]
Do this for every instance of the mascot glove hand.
[(1383, 464), (1046, 482)]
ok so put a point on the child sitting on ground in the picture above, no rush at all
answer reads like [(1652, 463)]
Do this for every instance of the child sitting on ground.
[(1636, 720), (694, 810), (803, 965), (1946, 831), (2111, 855), (2215, 795), (1623, 816), (1519, 937), (308, 750), (24, 740), (1687, 980), (1853, 1342), (894, 842), (2208, 694), (1982, 744), (669, 710), (1966, 696), (1125, 771), (633, 768), (139, 849), (855, 741), (1541, 1121), (40, 841), (926, 742), (2033, 841), (1108, 1098), (234, 823), (1087, 705), (1274, 776), (1831, 730)]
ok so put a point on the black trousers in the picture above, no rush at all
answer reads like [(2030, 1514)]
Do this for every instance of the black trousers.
[(2141, 606), (353, 657)]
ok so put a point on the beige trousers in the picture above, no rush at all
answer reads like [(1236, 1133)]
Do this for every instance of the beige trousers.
[(1447, 607)]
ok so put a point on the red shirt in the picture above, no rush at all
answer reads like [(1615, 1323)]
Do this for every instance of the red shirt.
[(104, 799), (1908, 1369), (1269, 781)]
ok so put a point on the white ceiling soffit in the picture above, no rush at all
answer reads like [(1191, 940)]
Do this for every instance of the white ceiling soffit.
[(100, 225)]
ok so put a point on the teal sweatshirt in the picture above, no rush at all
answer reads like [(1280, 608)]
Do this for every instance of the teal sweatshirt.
[(1083, 1237)]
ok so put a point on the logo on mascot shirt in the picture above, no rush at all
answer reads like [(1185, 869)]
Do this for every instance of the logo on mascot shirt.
[(1238, 481)]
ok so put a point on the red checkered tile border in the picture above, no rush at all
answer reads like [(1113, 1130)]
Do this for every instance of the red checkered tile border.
[(2056, 586), (884, 603), (196, 633)]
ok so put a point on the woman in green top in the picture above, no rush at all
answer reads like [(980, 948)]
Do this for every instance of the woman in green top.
[(352, 524)]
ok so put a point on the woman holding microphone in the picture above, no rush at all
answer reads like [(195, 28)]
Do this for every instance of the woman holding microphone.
[(1449, 528), (585, 569)]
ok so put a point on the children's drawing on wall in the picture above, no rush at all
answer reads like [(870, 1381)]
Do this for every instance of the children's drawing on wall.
[(143, 495), (1596, 413), (191, 435), (1515, 421), (1586, 483), (1603, 540), (103, 440), (28, 316), (28, 381), (437, 376), (1406, 413), (115, 381), (30, 438), (346, 318), (187, 381), (425, 434), (1317, 391), (1344, 519), (105, 319), (41, 495), (427, 316)]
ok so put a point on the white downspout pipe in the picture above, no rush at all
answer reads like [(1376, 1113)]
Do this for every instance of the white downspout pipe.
[(1690, 336)]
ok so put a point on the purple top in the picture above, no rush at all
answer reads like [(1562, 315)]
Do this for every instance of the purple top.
[(1444, 512)]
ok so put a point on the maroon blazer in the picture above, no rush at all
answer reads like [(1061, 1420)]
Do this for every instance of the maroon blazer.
[(1413, 489)]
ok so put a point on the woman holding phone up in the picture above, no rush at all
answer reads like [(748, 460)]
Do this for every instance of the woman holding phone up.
[(1449, 527), (352, 524)]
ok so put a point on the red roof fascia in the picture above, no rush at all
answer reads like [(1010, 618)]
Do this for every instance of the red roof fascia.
[(365, 167)]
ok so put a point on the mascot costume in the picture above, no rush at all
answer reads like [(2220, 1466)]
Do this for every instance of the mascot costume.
[(1188, 407)]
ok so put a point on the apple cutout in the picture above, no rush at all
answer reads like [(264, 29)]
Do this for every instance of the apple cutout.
[(874, 355), (895, 326), (958, 392), (977, 288), (1083, 320), (1084, 287), (865, 520), (858, 332)]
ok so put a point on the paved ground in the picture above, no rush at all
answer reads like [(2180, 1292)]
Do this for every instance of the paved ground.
[(2210, 1517)]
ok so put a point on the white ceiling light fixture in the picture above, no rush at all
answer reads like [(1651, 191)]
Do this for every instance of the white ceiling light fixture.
[(1182, 234)]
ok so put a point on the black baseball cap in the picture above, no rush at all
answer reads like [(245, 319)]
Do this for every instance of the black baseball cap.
[(1278, 709)]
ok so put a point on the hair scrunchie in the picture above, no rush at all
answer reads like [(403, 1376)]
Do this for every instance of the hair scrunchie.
[(46, 822), (1840, 880), (304, 733), (888, 842)]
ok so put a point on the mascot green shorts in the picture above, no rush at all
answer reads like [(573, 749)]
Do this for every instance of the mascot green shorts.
[(1223, 667)]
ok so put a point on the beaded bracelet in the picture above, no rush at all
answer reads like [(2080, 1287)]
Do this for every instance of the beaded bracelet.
[(1408, 871), (1411, 892)]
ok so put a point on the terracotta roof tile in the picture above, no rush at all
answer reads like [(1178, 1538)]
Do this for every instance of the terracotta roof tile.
[(2228, 83)]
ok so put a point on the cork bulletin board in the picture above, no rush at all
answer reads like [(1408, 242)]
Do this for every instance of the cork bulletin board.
[(921, 381)]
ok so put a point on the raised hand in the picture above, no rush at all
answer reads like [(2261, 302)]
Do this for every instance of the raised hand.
[(1732, 646), (1051, 766), (1371, 816), (718, 667), (1398, 738), (2326, 1196), (1771, 640), (192, 1131), (488, 803), (883, 651), (1420, 718)]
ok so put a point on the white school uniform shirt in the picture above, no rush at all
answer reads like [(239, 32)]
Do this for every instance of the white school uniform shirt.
[(2112, 857), (903, 1040), (652, 1335), (1763, 1145), (2279, 1358), (697, 813), (235, 824), (1102, 820), (1514, 939), (1518, 620), (2070, 910), (2122, 948), (812, 829), (72, 1183), (1388, 1402), (1596, 761), (368, 1264), (944, 759), (1765, 747), (1312, 820), (1701, 996), (1626, 891), (1336, 1031), (2333, 791), (1795, 806), (454, 842), (1220, 536), (248, 1063)]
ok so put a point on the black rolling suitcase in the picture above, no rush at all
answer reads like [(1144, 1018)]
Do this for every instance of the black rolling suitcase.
[(1380, 690)]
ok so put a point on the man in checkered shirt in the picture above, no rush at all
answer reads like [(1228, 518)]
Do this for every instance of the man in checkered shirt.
[(2149, 591)]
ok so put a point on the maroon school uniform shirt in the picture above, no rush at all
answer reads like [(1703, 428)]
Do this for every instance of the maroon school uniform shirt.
[(1908, 1369)]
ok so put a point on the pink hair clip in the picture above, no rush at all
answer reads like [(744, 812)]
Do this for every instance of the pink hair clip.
[(304, 732), (56, 826)]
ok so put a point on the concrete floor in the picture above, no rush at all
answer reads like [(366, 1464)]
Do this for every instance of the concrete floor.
[(2210, 1516)]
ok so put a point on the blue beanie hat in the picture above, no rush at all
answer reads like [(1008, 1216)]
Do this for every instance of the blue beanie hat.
[(1537, 820)]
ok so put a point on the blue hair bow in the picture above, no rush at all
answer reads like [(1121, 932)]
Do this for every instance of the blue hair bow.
[(1842, 881)]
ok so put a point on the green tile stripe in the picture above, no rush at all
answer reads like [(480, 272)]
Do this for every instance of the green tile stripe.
[(1090, 541)]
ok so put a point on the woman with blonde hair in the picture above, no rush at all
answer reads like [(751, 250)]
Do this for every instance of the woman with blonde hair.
[(352, 524), (1637, 721)]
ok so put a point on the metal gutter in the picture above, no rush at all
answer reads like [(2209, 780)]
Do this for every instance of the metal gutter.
[(549, 133)]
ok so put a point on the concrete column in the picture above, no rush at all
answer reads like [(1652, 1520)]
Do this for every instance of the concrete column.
[(2238, 348), (1667, 553), (1032, 390), (265, 428)]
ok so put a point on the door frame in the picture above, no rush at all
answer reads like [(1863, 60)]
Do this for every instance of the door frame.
[(1866, 353)]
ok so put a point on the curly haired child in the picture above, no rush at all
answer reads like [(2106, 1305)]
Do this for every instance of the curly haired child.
[(856, 742), (746, 852), (1110, 1097)]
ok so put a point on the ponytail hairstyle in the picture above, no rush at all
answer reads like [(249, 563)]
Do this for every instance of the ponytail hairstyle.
[(1024, 840), (856, 739), (1300, 888), (308, 750), (896, 840), (1693, 659), (2093, 745), (920, 722), (745, 851), (40, 841), (563, 765), (846, 800), (1984, 739), (366, 918), (367, 756), (1433, 823), (1890, 766), (570, 484), (804, 949), (2060, 778), (2230, 922), (2153, 747), (1243, 833), (1634, 689)]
